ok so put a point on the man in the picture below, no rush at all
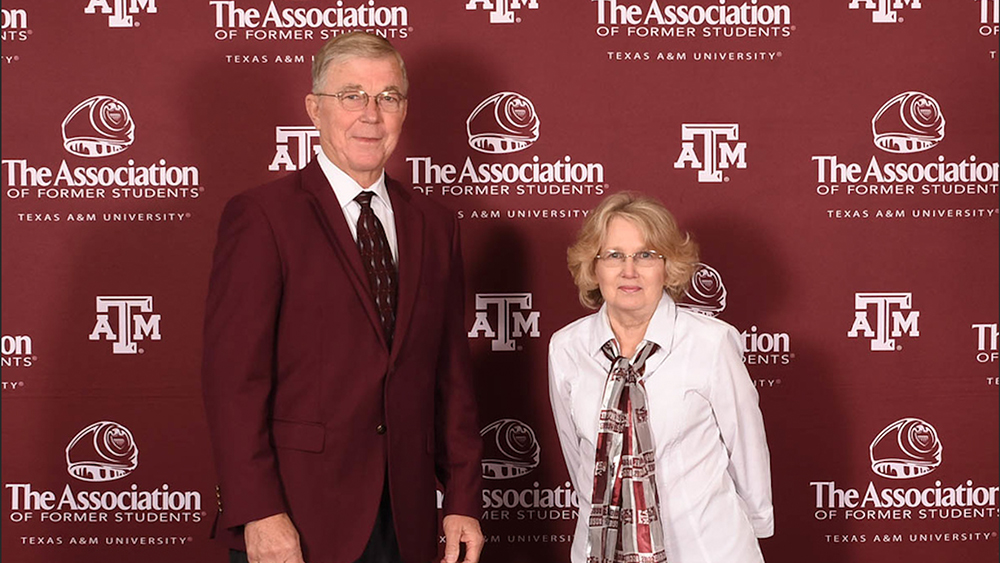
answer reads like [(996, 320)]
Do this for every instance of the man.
[(336, 367)]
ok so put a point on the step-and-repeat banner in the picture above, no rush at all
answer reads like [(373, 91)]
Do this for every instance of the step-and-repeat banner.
[(836, 161)]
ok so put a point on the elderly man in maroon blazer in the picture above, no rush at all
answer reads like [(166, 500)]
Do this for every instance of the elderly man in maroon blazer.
[(336, 370)]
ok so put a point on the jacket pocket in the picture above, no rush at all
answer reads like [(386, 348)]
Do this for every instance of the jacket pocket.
[(305, 436)]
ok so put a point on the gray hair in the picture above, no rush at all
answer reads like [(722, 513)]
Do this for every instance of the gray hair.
[(350, 45)]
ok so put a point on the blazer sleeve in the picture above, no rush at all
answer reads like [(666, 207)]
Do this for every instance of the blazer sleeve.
[(741, 425), (458, 446), (238, 374)]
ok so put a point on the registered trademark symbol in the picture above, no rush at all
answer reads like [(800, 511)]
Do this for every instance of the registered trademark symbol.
[(34, 358), (899, 347), (779, 54), (792, 355), (777, 382), (725, 179), (136, 24), (187, 215), (519, 348), (30, 32), (17, 57), (518, 20), (142, 351), (900, 20), (793, 28), (409, 29)]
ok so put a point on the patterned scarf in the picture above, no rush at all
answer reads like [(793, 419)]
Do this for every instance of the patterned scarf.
[(625, 522)]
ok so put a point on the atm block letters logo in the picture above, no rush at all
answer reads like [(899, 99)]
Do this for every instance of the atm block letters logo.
[(126, 321), (120, 12), (502, 11), (719, 150), (884, 317), (885, 11), (504, 317)]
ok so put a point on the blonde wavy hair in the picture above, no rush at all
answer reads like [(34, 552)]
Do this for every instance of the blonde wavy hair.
[(658, 228)]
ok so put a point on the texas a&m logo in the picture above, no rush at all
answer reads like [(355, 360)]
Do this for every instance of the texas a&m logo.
[(104, 451), (890, 320), (502, 11), (120, 12), (302, 141), (513, 315), (717, 152), (885, 11), (503, 123), (906, 449), (910, 122), (510, 449), (121, 319), (97, 127)]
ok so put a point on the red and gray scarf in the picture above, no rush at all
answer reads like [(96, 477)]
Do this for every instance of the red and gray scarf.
[(625, 522)]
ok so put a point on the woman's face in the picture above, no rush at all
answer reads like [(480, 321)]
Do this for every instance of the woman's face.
[(627, 288)]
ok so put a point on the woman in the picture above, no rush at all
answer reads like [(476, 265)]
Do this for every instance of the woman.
[(657, 417)]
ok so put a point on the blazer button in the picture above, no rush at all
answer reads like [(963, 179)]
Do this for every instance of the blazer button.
[(380, 429)]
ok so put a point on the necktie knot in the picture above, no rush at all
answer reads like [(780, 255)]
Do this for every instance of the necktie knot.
[(612, 352), (364, 199)]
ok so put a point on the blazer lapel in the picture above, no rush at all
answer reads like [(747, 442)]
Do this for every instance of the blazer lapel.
[(410, 239), (331, 216)]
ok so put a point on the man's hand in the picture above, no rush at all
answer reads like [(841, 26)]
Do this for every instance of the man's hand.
[(273, 540), (460, 529)]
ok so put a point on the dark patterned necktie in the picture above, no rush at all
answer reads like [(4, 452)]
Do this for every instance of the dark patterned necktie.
[(377, 257), (624, 521)]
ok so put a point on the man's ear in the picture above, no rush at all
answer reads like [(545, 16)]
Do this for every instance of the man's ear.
[(312, 108)]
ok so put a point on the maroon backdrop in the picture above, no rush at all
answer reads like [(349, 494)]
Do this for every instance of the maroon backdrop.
[(837, 162)]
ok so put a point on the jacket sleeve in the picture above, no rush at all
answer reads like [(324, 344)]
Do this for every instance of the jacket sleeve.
[(458, 446), (735, 404), (238, 374)]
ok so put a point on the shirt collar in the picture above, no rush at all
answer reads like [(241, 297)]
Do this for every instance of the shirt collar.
[(345, 187), (660, 329)]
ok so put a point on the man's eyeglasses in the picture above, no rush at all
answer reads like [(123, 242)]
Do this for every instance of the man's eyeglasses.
[(357, 100), (641, 259)]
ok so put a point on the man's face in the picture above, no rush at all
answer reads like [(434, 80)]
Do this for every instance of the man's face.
[(358, 142)]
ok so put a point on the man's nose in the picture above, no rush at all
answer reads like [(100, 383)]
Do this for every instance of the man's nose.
[(371, 112)]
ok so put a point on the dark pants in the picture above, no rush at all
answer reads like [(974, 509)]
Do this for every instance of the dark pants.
[(381, 548)]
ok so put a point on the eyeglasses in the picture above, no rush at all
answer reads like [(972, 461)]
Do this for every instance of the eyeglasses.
[(641, 259), (357, 100)]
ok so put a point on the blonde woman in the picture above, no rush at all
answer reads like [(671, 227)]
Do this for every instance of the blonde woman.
[(657, 417)]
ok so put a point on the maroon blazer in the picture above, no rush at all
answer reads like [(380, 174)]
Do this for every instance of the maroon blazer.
[(294, 366)]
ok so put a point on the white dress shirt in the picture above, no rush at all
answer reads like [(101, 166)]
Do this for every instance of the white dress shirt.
[(713, 471), (347, 189)]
